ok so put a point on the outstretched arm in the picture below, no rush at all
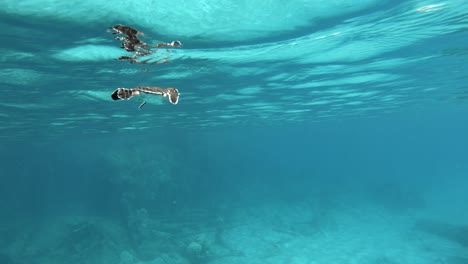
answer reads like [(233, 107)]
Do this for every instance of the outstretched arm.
[(172, 93), (125, 94)]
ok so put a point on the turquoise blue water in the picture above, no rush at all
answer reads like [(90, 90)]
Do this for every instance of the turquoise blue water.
[(306, 132)]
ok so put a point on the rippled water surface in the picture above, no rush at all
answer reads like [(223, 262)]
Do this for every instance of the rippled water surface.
[(242, 63)]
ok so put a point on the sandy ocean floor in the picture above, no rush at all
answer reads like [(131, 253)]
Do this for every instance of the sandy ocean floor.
[(307, 232)]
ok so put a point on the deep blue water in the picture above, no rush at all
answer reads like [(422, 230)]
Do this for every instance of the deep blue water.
[(306, 132)]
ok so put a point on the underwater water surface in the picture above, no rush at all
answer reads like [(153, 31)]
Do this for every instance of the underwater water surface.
[(306, 132)]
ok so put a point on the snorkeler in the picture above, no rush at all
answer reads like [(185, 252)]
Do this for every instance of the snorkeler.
[(129, 40), (125, 93)]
